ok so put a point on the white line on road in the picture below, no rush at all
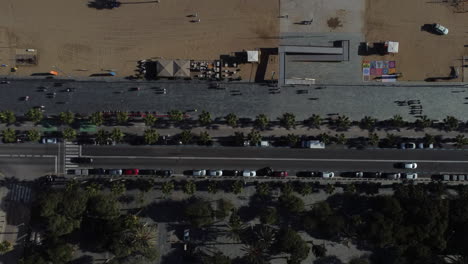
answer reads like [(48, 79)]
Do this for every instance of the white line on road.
[(275, 159)]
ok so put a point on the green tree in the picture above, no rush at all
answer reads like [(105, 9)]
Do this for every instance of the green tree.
[(287, 188), (269, 215), (305, 188), (8, 117), (34, 135), (263, 188), (236, 228), (167, 188), (319, 251), (340, 139), (186, 137), (104, 207), (397, 121), (315, 121), (190, 188), (67, 118), (291, 204), (237, 187), (69, 134), (290, 242), (329, 188), (216, 258), (212, 187), (373, 139), (204, 138), (149, 120), (325, 138), (451, 123), (199, 213), (97, 118), (116, 135), (93, 189), (60, 253), (102, 136), (232, 120), (288, 120), (122, 118), (392, 140), (5, 247), (292, 139), (9, 135), (342, 122), (368, 123), (423, 122), (461, 141), (254, 137), (35, 115), (262, 121), (176, 115), (429, 139), (204, 118), (118, 188), (151, 136), (239, 138)]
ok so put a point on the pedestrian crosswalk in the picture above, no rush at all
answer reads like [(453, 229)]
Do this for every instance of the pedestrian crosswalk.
[(19, 193), (72, 150)]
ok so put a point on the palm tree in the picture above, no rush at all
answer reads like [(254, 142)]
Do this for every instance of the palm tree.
[(263, 188), (34, 135), (329, 188), (167, 188), (287, 189), (342, 122), (190, 188), (325, 138), (368, 123), (429, 139), (35, 115), (315, 121), (151, 136), (176, 115), (319, 250), (292, 139), (255, 254), (149, 120), (460, 141), (265, 236), (340, 139), (235, 230), (102, 136), (69, 134), (237, 187), (9, 135), (232, 119), (186, 137), (116, 135), (97, 118), (204, 118), (392, 140), (254, 137), (305, 188), (451, 123), (67, 118), (373, 139), (397, 121), (262, 121), (8, 117), (213, 187), (204, 138), (288, 120), (423, 122), (122, 118)]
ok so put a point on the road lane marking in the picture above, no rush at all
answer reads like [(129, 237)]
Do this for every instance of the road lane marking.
[(274, 159)]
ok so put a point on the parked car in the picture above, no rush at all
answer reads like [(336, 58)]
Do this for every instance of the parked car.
[(307, 174), (215, 173), (439, 29), (114, 171), (410, 165), (81, 160), (131, 172), (199, 172), (393, 176), (231, 173), (422, 146), (408, 145), (327, 174), (410, 176), (267, 171), (280, 173), (249, 173), (97, 171), (377, 174), (46, 140), (165, 173), (353, 174), (147, 172)]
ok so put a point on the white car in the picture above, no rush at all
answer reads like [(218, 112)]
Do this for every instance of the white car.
[(199, 172), (422, 146), (327, 174), (393, 176), (215, 173), (440, 29), (409, 145), (411, 165), (411, 176), (49, 141), (249, 173)]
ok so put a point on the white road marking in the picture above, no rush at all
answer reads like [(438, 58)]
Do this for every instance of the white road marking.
[(275, 159)]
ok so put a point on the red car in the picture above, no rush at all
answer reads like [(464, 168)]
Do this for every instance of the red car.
[(280, 173), (131, 172)]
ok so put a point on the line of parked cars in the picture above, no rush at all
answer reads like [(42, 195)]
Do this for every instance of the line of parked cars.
[(119, 172)]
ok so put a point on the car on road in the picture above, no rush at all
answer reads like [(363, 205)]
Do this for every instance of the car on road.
[(198, 172), (307, 174), (423, 146), (81, 160), (131, 172), (114, 172), (147, 172), (215, 173), (46, 140), (393, 176), (5, 82), (410, 176), (280, 173), (327, 174), (410, 165), (249, 173), (408, 145), (97, 171), (165, 173), (439, 29), (231, 173)]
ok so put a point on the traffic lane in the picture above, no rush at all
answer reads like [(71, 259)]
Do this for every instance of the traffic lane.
[(179, 165), (27, 168), (29, 149), (257, 152)]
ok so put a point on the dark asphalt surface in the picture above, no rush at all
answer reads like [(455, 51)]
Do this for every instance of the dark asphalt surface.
[(244, 99)]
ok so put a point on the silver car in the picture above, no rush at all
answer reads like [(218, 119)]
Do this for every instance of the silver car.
[(327, 174), (215, 173), (199, 172), (249, 173), (115, 172)]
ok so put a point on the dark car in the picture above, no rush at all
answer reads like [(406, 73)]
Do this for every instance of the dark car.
[(147, 172), (81, 160), (280, 173), (131, 172), (165, 173), (307, 174), (267, 171), (97, 171), (373, 174), (231, 173)]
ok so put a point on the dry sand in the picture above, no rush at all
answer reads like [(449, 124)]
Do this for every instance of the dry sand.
[(71, 36), (421, 54)]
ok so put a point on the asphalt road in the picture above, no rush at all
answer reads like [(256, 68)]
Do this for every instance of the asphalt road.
[(339, 160), (244, 99)]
